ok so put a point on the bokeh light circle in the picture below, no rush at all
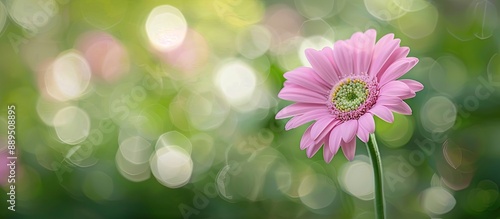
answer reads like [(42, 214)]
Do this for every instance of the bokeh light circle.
[(174, 138), (31, 15), (237, 81), (448, 75), (172, 166), (206, 110), (315, 8), (68, 77), (284, 24), (190, 56), (72, 125), (412, 5), (131, 170), (438, 114), (253, 41), (419, 24), (166, 27), (395, 134), (354, 177), (103, 14), (136, 149), (239, 13), (384, 10), (437, 201), (317, 191), (47, 109), (317, 27)]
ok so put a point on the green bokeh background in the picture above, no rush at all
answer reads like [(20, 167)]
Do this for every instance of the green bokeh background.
[(215, 97)]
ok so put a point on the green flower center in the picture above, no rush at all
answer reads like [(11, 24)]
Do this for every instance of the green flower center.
[(348, 95)]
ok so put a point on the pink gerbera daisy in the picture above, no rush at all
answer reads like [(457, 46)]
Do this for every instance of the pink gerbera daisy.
[(345, 87)]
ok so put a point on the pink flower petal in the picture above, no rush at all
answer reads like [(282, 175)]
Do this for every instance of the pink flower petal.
[(415, 86), (356, 44), (322, 127), (397, 69), (408, 96), (366, 121), (363, 134), (311, 151), (321, 65), (401, 108), (326, 132), (306, 140), (363, 50), (343, 58), (327, 153), (349, 129), (381, 53), (297, 109), (349, 149), (305, 118), (395, 88), (383, 113), (388, 100), (307, 78), (300, 89), (298, 94), (335, 139), (328, 53), (399, 53)]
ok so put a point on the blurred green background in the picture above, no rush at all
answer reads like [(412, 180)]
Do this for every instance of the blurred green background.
[(165, 109)]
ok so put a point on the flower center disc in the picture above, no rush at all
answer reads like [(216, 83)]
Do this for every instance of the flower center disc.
[(350, 94)]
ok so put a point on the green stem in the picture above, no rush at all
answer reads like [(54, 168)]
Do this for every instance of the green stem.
[(377, 174)]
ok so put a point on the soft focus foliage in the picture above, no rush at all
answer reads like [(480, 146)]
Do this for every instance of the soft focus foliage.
[(144, 109)]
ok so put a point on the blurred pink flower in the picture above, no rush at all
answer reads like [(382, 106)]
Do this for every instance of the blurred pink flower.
[(345, 87), (107, 57)]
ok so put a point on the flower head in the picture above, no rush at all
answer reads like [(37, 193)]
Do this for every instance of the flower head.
[(345, 87)]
